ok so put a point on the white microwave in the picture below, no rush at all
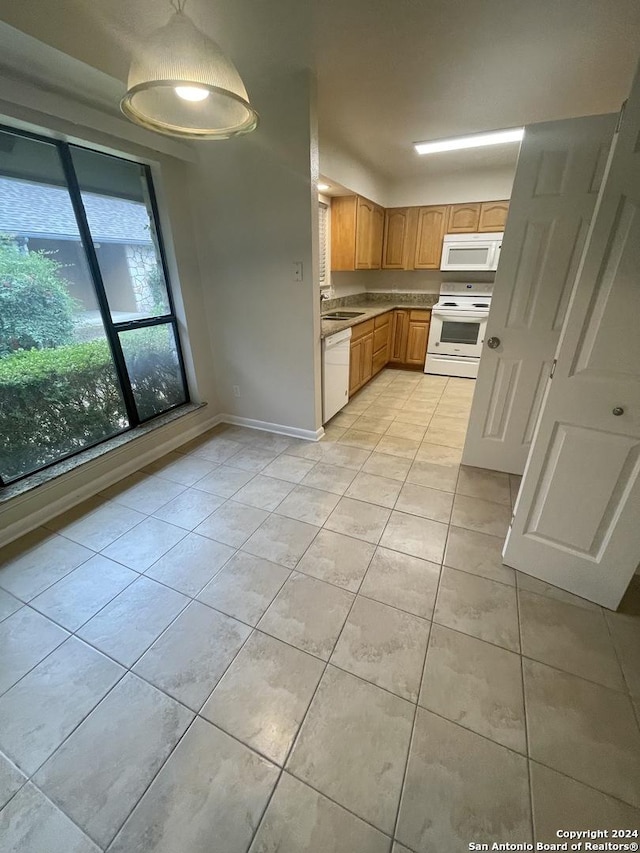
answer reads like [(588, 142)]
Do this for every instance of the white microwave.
[(471, 251)]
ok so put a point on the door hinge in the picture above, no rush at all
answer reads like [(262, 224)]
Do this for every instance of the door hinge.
[(553, 368)]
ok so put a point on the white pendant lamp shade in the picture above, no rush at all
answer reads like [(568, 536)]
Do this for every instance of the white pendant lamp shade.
[(181, 84)]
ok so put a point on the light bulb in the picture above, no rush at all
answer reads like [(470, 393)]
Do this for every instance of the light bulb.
[(191, 93)]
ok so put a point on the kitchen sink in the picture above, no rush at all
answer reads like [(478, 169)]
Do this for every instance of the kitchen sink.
[(342, 315)]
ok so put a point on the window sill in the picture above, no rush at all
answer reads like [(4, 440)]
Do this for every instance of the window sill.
[(39, 478)]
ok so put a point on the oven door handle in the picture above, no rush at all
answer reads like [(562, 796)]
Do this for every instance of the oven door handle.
[(471, 318)]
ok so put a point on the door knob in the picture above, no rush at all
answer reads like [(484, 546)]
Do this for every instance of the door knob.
[(493, 343), (618, 410)]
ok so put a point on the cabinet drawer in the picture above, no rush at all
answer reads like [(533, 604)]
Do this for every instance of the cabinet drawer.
[(362, 329), (382, 319), (381, 338), (419, 316), (380, 359)]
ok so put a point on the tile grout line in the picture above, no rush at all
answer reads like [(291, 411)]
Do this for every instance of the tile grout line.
[(624, 676), (415, 714), (254, 628), (303, 719), (196, 714), (152, 780), (525, 717), (306, 713), (143, 573), (340, 805)]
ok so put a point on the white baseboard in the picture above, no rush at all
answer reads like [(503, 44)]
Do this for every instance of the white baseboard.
[(281, 429), (36, 507)]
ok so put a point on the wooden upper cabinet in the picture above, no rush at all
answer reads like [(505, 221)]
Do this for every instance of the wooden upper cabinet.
[(463, 218), (493, 215), (397, 238), (431, 229), (343, 232), (365, 236), (377, 231), (357, 226), (364, 225)]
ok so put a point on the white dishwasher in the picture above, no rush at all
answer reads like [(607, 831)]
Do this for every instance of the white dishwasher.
[(335, 373)]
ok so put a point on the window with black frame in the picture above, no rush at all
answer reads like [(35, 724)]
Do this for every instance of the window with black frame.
[(89, 343)]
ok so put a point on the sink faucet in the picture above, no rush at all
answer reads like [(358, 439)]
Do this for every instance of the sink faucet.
[(324, 295)]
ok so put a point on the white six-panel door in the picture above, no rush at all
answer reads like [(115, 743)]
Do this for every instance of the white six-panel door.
[(558, 177), (577, 517)]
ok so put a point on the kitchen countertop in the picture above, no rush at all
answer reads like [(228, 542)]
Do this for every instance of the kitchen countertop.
[(371, 309)]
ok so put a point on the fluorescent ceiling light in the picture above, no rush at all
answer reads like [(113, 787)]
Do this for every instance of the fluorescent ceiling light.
[(323, 187), (476, 140)]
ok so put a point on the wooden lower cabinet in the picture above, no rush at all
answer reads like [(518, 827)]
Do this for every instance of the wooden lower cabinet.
[(417, 344), (381, 337), (409, 336), (355, 367), (367, 359), (380, 360), (361, 355), (360, 363), (395, 337), (399, 335)]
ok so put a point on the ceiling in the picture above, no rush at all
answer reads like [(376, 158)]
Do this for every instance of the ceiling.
[(390, 72), (394, 72)]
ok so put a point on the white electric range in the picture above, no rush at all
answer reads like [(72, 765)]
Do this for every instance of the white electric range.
[(458, 324)]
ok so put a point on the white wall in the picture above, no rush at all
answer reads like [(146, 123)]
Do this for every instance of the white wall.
[(453, 187), (338, 165), (256, 216), (236, 215), (459, 185)]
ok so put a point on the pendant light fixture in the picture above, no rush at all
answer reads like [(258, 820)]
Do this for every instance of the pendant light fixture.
[(181, 84)]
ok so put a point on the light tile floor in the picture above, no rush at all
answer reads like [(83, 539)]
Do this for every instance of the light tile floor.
[(262, 644)]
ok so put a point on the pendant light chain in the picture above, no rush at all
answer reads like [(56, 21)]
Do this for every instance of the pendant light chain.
[(178, 5)]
